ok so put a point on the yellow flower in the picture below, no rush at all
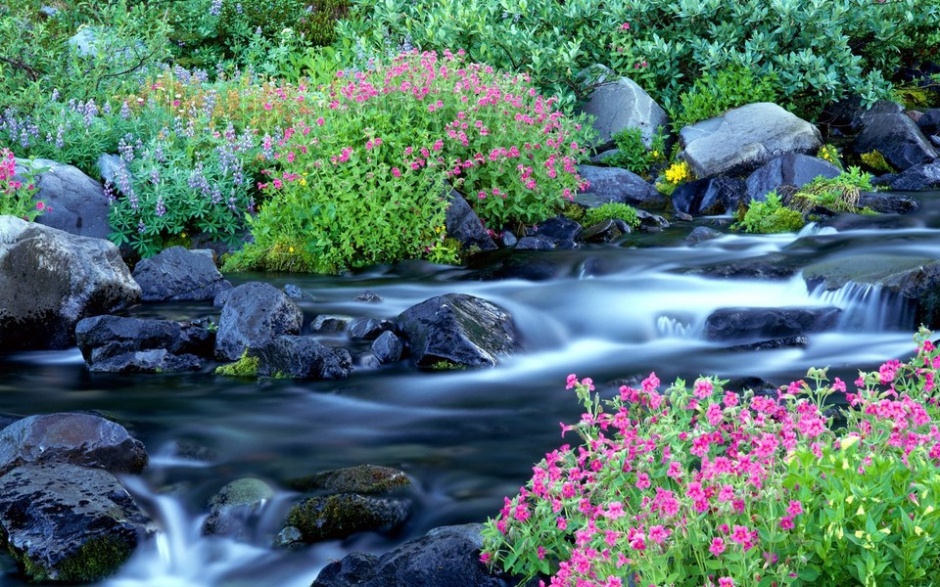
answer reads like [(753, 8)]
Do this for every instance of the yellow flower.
[(860, 511), (290, 250), (928, 510), (918, 530), (850, 499)]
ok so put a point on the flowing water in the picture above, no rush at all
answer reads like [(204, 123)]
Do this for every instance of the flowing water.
[(466, 438)]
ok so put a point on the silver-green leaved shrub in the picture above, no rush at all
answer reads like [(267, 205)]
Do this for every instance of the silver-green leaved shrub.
[(818, 51)]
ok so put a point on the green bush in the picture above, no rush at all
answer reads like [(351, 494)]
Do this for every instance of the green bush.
[(634, 155), (715, 93), (611, 211), (362, 180), (839, 194), (818, 52), (770, 216)]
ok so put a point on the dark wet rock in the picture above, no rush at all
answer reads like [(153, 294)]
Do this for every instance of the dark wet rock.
[(369, 297), (915, 281), (302, 357), (743, 139), (621, 104), (710, 196), (448, 556), (929, 122), (340, 516), (457, 331), (151, 361), (78, 203), (234, 510), (918, 178), (253, 315), (605, 231), (768, 324), (363, 479), (388, 348), (888, 203), (508, 239), (329, 324), (786, 173), (612, 184), (102, 337), (369, 328), (701, 234), (651, 221), (771, 267), (67, 523), (887, 129), (177, 274), (78, 439), (463, 224), (555, 233), (49, 280)]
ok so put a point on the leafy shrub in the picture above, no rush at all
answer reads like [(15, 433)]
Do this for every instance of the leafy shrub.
[(819, 51), (123, 41), (611, 211), (634, 155), (839, 194), (714, 93), (770, 216), (16, 198), (705, 486), (364, 182)]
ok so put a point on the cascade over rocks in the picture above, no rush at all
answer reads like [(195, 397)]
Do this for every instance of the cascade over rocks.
[(253, 315), (887, 129), (301, 357), (710, 196), (79, 204), (66, 523), (745, 138), (786, 173), (457, 330), (448, 556), (236, 506), (80, 439), (768, 324), (49, 280), (622, 104), (613, 184), (177, 274), (915, 280)]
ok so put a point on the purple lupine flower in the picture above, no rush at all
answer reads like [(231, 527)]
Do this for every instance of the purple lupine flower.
[(125, 110), (160, 209)]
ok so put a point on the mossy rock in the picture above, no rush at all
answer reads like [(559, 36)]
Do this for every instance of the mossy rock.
[(340, 516), (243, 367), (364, 479)]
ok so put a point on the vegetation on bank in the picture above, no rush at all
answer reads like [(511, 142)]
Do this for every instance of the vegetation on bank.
[(699, 485), (204, 102)]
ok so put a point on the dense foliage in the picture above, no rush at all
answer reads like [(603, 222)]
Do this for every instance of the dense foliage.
[(699, 485)]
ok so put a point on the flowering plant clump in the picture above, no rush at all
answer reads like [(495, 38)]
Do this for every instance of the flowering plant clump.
[(364, 181), (675, 175), (16, 198), (703, 486)]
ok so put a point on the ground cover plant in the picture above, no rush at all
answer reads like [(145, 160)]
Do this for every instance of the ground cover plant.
[(698, 485), (368, 179), (809, 53)]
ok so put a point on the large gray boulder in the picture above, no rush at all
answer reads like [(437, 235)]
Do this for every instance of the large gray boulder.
[(254, 314), (78, 203), (67, 523), (917, 178), (612, 184), (887, 129), (456, 331), (786, 173), (912, 282), (448, 556), (49, 280), (710, 196), (623, 104), (79, 439), (767, 324), (177, 274), (102, 337), (745, 138)]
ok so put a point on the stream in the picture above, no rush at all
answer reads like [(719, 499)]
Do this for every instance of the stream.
[(465, 438)]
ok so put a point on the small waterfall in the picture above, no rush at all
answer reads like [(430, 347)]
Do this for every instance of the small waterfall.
[(867, 307), (179, 555), (673, 327)]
